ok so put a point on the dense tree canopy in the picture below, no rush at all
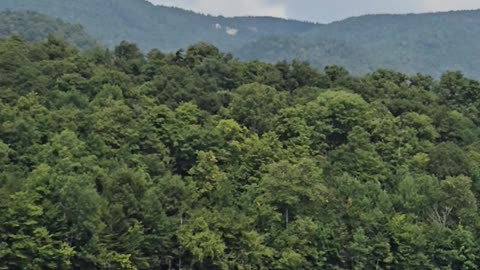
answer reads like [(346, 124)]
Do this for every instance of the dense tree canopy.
[(196, 160)]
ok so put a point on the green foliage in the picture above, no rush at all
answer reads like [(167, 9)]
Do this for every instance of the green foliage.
[(194, 160), (26, 241), (264, 100)]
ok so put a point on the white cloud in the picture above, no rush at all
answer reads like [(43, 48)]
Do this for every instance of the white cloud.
[(231, 31), (230, 7)]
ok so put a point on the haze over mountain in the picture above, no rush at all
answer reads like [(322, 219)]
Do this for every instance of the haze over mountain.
[(429, 43)]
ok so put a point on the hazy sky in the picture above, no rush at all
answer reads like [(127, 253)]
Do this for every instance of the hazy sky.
[(317, 10)]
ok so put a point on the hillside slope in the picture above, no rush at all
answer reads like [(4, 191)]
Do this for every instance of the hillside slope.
[(36, 27), (133, 162)]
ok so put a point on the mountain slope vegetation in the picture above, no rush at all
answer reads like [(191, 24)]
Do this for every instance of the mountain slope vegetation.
[(115, 159), (428, 43), (36, 27), (112, 21)]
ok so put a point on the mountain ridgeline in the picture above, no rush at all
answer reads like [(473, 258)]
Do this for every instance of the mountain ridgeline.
[(426, 43)]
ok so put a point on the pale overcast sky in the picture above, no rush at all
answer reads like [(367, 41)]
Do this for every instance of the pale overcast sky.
[(317, 10)]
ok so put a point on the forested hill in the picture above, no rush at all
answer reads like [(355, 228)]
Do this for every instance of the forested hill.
[(36, 27), (112, 21), (113, 159), (427, 43)]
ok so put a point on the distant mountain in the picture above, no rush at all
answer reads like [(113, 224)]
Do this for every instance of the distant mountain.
[(429, 43), (35, 27), (112, 21)]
